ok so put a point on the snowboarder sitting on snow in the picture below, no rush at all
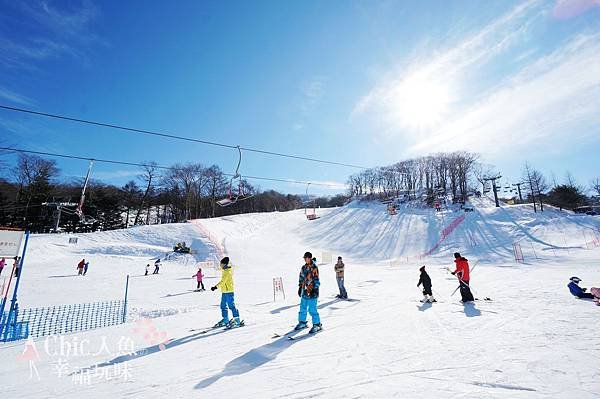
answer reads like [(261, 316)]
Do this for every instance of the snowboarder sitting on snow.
[(227, 298), (156, 266), (308, 291), (339, 275), (80, 267), (199, 277), (462, 272), (578, 291), (426, 281)]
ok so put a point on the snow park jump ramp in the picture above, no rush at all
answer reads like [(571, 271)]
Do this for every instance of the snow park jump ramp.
[(533, 340)]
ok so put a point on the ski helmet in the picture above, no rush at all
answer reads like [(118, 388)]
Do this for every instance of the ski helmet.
[(574, 279)]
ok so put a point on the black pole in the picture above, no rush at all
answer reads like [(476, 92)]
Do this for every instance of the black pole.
[(495, 193)]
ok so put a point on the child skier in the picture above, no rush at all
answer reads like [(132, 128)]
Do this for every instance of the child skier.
[(578, 291), (227, 297), (80, 267), (85, 267), (147, 267), (199, 277), (462, 272), (156, 266), (339, 276), (308, 291), (426, 281)]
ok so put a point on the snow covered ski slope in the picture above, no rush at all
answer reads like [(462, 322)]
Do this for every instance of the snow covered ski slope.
[(534, 340)]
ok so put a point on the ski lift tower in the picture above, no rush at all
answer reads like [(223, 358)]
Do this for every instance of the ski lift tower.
[(518, 186), (494, 187), (58, 208)]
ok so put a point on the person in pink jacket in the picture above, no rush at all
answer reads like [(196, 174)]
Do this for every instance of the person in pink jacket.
[(199, 277)]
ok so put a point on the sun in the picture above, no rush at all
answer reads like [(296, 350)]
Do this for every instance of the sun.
[(420, 102)]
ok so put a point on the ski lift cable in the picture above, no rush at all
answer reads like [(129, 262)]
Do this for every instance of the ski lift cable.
[(175, 137), (109, 161)]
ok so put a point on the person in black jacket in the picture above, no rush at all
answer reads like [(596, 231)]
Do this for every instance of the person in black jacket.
[(426, 281)]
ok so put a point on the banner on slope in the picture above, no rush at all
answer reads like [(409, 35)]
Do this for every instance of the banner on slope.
[(10, 242)]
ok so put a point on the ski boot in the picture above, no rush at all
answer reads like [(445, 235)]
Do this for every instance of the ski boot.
[(233, 323), (425, 299), (432, 299), (315, 328), (221, 323), (301, 325)]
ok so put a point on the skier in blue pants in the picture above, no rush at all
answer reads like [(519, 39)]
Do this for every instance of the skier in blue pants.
[(308, 291), (227, 295)]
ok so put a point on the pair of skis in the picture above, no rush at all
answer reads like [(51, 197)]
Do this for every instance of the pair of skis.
[(292, 335), (226, 327)]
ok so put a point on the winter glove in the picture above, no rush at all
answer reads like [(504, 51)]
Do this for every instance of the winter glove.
[(453, 273), (315, 292), (213, 288), (584, 289), (299, 290)]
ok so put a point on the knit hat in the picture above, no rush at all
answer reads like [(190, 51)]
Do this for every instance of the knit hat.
[(422, 268), (576, 280), (307, 255), (225, 261), (457, 255)]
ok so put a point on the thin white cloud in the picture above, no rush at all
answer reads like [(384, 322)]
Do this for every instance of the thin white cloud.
[(565, 9), (13, 97), (391, 102), (547, 98), (550, 102)]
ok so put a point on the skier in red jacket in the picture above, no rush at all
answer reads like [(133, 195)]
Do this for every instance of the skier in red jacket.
[(462, 272)]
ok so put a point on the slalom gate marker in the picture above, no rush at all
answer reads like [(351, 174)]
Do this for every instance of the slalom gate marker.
[(518, 252), (326, 258), (278, 287)]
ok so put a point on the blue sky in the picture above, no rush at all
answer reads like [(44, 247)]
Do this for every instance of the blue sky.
[(360, 82)]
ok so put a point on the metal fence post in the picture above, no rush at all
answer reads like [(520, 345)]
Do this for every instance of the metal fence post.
[(125, 304)]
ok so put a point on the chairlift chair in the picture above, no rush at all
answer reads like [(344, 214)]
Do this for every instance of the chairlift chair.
[(313, 215), (237, 177)]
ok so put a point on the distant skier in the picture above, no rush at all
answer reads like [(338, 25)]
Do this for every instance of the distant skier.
[(426, 281), (85, 267), (2, 264), (462, 273), (308, 291), (578, 291), (80, 267), (147, 268), (227, 297), (199, 277), (156, 266), (339, 276), (17, 266)]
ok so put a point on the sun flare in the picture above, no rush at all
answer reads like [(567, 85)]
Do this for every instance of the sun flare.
[(420, 102)]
